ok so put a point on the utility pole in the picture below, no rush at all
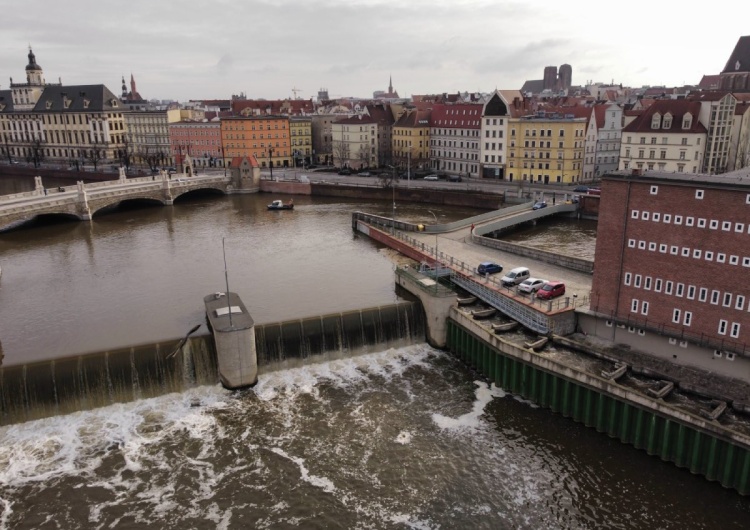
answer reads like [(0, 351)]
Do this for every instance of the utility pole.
[(270, 160)]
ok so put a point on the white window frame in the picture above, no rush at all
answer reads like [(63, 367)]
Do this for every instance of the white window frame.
[(676, 316), (644, 308), (680, 290), (689, 221), (691, 292), (701, 223), (715, 297), (674, 250), (647, 283), (628, 276), (631, 243), (687, 318), (699, 194), (667, 218), (644, 215), (739, 227), (727, 300), (721, 257), (702, 294), (739, 302), (734, 260), (634, 305), (678, 219), (723, 327), (634, 214), (654, 190), (697, 253), (726, 226), (637, 281), (663, 248), (652, 247), (668, 287), (656, 217), (641, 245), (714, 224), (685, 252), (708, 256), (657, 285), (735, 331)]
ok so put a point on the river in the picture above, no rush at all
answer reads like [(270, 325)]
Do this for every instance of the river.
[(402, 438)]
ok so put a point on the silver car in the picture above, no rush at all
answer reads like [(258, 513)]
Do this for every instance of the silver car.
[(531, 285)]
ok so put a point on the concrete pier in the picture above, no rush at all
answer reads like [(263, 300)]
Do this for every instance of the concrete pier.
[(234, 335)]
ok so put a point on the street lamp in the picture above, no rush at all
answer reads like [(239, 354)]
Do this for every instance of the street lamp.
[(437, 262), (270, 160)]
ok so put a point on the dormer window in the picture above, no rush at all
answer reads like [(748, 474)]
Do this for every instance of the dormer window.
[(86, 103), (667, 122), (687, 121), (66, 102), (114, 102), (656, 120), (48, 104)]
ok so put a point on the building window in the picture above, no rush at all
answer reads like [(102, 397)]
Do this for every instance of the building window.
[(673, 250), (734, 260), (652, 246), (688, 318), (663, 248), (680, 290), (689, 221), (721, 258), (634, 306), (697, 254), (656, 217), (740, 302), (735, 330), (678, 219), (727, 299), (637, 283), (644, 308), (739, 227), (676, 316), (667, 218), (701, 223), (647, 283), (714, 224), (722, 327), (746, 262), (668, 287), (634, 214), (730, 356), (709, 255), (654, 190), (644, 216), (657, 285), (702, 294), (698, 194), (726, 226), (691, 292), (715, 297), (641, 245), (685, 252), (627, 278)]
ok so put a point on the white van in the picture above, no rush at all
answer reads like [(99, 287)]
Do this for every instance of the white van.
[(515, 276)]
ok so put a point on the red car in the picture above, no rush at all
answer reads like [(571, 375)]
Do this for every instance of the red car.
[(551, 290)]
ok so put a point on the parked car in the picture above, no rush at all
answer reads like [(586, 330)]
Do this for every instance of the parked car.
[(364, 174), (345, 171), (455, 178), (489, 267), (170, 169), (581, 189), (531, 285), (539, 205), (516, 276), (431, 177), (551, 290)]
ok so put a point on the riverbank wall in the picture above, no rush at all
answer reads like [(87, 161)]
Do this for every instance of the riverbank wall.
[(701, 445)]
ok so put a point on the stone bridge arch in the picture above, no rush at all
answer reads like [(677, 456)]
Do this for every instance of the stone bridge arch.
[(97, 205)]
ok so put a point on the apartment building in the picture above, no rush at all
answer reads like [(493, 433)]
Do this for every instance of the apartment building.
[(455, 138), (267, 138), (494, 133), (411, 140)]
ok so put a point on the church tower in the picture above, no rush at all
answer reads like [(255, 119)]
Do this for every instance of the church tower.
[(34, 74)]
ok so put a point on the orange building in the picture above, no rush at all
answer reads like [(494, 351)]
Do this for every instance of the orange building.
[(267, 138)]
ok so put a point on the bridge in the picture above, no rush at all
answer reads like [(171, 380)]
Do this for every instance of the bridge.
[(83, 201)]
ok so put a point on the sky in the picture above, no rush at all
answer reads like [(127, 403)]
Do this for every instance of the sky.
[(182, 50)]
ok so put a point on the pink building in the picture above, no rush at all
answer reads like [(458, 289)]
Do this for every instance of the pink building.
[(199, 139)]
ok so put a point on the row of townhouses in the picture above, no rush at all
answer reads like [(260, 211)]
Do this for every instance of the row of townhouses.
[(502, 135)]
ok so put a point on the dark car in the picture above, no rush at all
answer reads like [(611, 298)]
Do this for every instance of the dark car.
[(539, 205), (581, 189), (455, 178), (489, 267), (345, 171), (170, 169), (551, 290)]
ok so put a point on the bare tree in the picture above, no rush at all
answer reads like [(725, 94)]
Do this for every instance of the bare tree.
[(154, 157), (125, 154), (340, 152), (97, 153), (7, 148), (37, 152)]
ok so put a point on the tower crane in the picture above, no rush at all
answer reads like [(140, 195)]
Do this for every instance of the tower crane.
[(295, 90)]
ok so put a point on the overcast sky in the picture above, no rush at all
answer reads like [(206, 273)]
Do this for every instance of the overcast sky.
[(212, 49)]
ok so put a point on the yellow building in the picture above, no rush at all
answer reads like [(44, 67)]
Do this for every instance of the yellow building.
[(546, 147), (300, 128), (267, 138), (410, 143)]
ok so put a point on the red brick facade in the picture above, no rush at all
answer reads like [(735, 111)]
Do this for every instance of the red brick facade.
[(673, 254)]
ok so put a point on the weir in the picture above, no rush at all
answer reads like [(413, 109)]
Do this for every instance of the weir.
[(61, 386)]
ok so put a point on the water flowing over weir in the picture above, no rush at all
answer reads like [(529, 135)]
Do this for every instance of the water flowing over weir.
[(61, 386)]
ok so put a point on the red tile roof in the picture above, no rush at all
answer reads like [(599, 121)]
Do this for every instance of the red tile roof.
[(677, 108), (458, 116)]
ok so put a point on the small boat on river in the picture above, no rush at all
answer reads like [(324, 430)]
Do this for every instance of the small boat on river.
[(281, 205)]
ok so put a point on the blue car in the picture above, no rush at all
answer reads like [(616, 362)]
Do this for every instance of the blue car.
[(489, 267), (539, 205)]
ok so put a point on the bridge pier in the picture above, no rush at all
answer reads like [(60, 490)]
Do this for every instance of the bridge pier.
[(436, 300), (234, 335), (82, 202)]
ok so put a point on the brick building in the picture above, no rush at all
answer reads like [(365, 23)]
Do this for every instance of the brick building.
[(673, 257)]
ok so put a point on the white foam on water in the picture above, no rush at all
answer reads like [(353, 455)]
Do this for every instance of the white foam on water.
[(403, 438), (319, 482), (471, 420), (525, 402)]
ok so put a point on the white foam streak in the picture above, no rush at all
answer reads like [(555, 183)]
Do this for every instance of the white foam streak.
[(319, 482), (471, 420)]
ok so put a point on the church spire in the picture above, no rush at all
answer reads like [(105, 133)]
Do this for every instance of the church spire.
[(390, 84)]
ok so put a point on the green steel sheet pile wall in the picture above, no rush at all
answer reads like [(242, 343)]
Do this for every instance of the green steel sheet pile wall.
[(685, 446)]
